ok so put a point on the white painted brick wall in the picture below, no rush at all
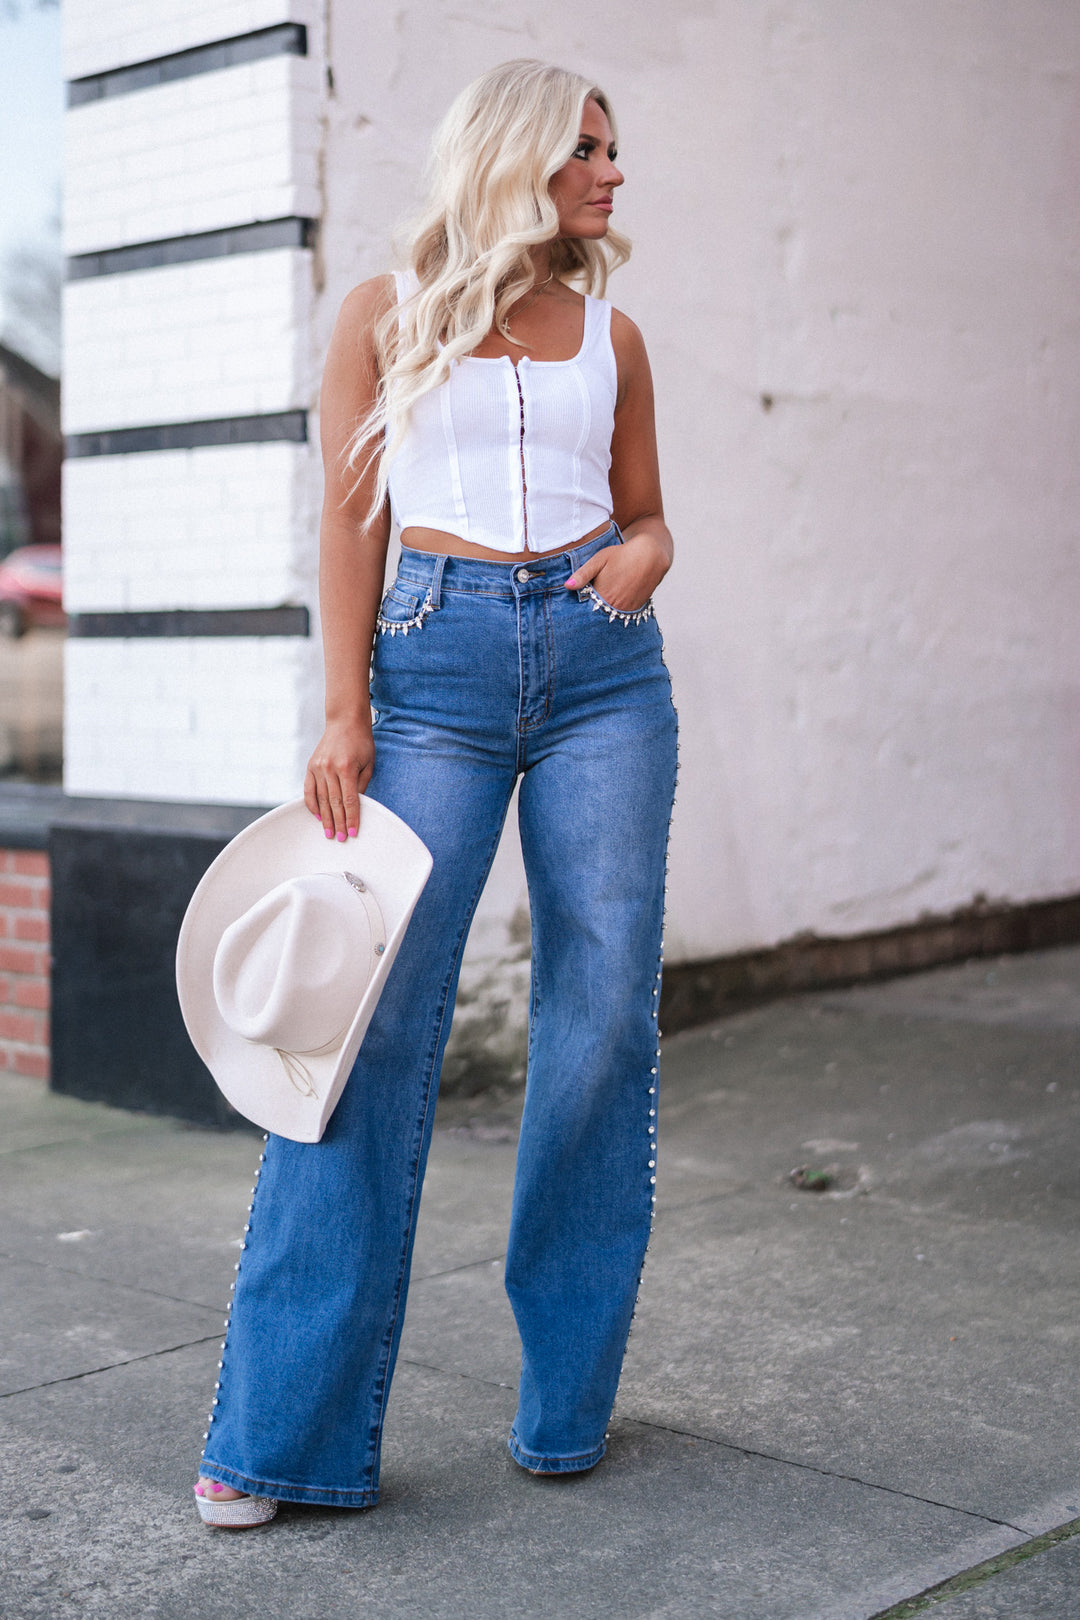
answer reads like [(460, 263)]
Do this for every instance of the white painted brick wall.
[(218, 149), (224, 527), (217, 720), (218, 337), (223, 719), (103, 34)]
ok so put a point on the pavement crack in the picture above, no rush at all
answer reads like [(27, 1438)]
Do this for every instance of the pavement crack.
[(466, 1265), (828, 1473), (965, 1579), (108, 1282), (452, 1372), (110, 1366)]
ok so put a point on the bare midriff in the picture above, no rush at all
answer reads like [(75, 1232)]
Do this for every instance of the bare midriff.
[(450, 545)]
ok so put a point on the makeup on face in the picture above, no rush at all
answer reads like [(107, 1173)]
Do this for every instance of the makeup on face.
[(583, 189)]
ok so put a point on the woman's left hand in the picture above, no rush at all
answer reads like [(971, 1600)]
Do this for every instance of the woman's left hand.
[(625, 576)]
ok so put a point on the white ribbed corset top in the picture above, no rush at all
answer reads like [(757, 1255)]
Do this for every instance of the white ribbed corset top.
[(513, 457)]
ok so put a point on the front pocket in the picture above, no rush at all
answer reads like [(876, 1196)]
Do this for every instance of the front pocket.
[(402, 609), (625, 616)]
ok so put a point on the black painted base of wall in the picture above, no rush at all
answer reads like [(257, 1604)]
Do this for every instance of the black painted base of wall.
[(119, 898), (123, 871)]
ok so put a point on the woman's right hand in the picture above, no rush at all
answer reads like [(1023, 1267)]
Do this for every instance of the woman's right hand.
[(338, 772)]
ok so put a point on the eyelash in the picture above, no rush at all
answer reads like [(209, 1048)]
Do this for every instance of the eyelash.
[(585, 152)]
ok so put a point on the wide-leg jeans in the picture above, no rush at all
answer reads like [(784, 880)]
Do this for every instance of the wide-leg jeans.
[(483, 674)]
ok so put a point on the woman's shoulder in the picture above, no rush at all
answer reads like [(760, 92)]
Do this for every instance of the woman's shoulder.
[(368, 301), (626, 340)]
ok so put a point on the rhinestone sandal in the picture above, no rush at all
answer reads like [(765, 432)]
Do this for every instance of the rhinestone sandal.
[(239, 1513)]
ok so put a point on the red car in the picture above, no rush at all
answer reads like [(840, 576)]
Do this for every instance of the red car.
[(31, 582)]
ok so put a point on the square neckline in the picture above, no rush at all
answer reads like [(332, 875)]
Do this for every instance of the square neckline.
[(497, 359), (404, 280)]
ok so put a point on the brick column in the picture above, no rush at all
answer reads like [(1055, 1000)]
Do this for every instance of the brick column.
[(24, 962)]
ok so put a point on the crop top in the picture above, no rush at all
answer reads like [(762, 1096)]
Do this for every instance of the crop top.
[(512, 457)]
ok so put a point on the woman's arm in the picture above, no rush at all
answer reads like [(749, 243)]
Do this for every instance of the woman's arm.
[(627, 575), (352, 561)]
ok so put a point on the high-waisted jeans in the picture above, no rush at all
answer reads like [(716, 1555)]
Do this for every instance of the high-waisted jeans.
[(503, 675)]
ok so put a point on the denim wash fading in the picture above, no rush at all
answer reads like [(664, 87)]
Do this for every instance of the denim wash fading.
[(503, 674)]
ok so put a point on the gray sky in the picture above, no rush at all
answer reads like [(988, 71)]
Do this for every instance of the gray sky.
[(31, 108), (31, 115)]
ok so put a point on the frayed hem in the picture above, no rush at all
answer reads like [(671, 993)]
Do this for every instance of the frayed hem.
[(532, 1464), (282, 1491)]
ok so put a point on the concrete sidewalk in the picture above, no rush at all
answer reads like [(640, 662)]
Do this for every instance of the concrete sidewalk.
[(832, 1400)]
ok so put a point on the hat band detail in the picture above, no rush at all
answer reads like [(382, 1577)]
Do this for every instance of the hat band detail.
[(298, 1073)]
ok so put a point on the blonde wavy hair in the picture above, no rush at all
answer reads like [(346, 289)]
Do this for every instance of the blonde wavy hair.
[(492, 161)]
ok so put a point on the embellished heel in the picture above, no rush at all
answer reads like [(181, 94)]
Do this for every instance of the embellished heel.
[(241, 1513)]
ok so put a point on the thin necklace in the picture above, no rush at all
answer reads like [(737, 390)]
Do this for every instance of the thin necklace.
[(524, 306), (535, 293)]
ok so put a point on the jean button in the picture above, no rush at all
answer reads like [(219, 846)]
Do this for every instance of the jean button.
[(523, 575)]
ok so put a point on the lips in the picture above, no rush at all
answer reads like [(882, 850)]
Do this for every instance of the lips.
[(603, 203)]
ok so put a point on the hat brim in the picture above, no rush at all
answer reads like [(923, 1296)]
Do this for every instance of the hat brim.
[(286, 843)]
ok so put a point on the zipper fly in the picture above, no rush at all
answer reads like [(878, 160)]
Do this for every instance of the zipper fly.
[(521, 454)]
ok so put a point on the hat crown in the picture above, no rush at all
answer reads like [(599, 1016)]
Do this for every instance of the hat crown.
[(292, 970)]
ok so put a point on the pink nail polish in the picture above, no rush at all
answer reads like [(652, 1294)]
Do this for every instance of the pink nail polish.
[(199, 1491), (215, 1487), (352, 832), (341, 838), (329, 831), (572, 583)]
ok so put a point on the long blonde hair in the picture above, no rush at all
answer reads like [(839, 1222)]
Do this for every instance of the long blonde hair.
[(492, 160)]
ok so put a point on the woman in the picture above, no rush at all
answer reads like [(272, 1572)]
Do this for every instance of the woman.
[(516, 645)]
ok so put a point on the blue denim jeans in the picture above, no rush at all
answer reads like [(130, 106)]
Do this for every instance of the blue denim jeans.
[(502, 674)]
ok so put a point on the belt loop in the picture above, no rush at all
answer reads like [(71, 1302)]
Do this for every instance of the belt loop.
[(435, 588)]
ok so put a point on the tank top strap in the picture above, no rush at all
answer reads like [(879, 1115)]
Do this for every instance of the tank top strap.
[(596, 348), (597, 332)]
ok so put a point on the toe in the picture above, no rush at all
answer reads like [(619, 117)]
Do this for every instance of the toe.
[(214, 1491)]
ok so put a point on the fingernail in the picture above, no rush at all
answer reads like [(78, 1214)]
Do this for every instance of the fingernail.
[(329, 831), (341, 838), (571, 583), (352, 832)]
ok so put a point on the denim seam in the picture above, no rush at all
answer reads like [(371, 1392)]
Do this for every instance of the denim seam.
[(525, 726), (232, 1294), (382, 1383)]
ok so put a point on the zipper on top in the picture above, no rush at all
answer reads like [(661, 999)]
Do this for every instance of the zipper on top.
[(521, 454)]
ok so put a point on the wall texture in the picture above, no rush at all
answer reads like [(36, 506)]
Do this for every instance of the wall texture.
[(857, 243)]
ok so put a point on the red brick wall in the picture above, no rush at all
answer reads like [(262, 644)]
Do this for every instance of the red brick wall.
[(24, 962)]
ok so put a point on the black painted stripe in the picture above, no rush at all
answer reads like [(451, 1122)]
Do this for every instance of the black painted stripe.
[(258, 237), (175, 623), (285, 39), (287, 426)]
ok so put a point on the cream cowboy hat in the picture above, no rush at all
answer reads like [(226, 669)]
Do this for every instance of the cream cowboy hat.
[(283, 952)]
